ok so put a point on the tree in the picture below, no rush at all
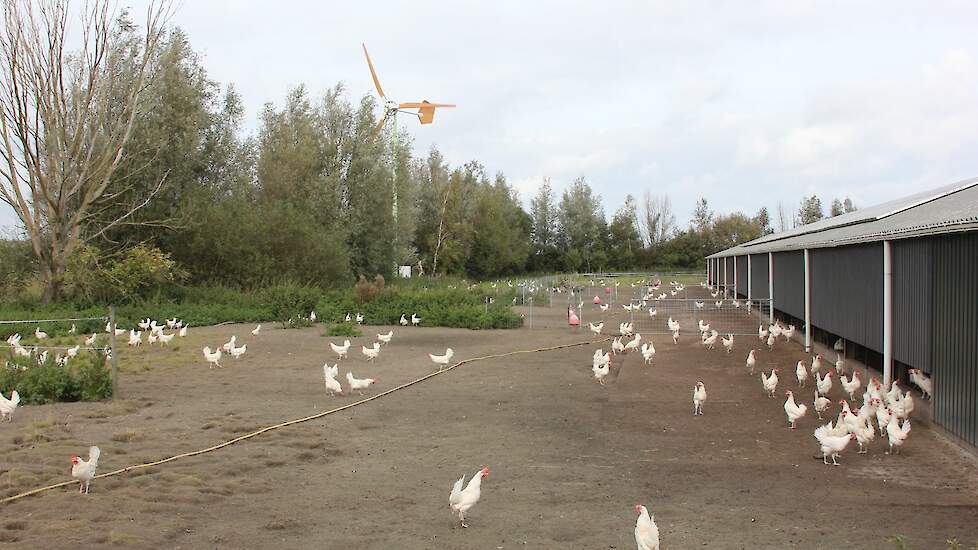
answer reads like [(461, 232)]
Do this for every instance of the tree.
[(810, 210), (702, 215), (66, 119), (582, 226), (847, 206), (836, 208), (783, 218), (543, 234), (763, 221), (657, 218), (625, 240)]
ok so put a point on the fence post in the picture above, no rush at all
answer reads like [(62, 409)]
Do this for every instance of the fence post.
[(114, 358)]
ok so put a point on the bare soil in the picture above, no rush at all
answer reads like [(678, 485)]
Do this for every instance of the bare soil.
[(569, 457)]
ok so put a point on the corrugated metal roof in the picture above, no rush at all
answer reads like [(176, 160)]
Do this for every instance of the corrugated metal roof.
[(946, 209)]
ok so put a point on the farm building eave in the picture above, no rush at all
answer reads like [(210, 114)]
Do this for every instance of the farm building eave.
[(949, 209)]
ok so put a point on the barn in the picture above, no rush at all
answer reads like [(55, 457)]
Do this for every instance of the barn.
[(897, 282)]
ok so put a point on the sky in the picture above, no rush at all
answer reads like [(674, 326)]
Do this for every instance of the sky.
[(745, 104)]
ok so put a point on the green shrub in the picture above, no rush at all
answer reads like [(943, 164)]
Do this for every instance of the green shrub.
[(343, 329), (289, 299), (296, 322), (86, 378)]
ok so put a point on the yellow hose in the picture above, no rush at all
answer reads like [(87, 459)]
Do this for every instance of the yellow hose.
[(296, 421)]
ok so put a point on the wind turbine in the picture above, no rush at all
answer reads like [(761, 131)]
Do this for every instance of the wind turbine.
[(425, 114)]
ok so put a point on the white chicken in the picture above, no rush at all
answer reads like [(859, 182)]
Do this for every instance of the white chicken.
[(371, 353), (312, 316), (152, 338), (771, 338), (143, 325), (73, 352), (833, 445), (897, 434), (728, 342), (699, 305), (601, 368), (824, 383), (460, 500), (699, 397), (386, 338), (924, 382), (788, 332), (704, 327), (214, 358), (332, 384), (633, 344), (883, 415), (415, 320), (646, 531), (711, 340), (230, 343), (235, 352), (817, 363), (442, 360), (341, 351), (616, 346), (359, 384), (793, 410), (648, 352), (770, 383), (801, 373), (752, 361), (256, 331), (8, 406), (84, 471), (821, 403), (403, 321), (761, 332), (840, 365), (135, 338), (596, 328), (40, 334), (851, 385), (603, 307), (864, 433), (675, 337), (183, 331), (90, 341), (73, 329), (167, 338), (653, 312), (359, 318)]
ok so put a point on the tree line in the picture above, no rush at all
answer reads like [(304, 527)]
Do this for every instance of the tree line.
[(307, 197)]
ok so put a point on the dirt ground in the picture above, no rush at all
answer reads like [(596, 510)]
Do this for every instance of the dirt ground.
[(569, 457)]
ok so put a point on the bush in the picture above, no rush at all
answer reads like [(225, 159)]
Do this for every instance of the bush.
[(92, 276), (367, 291), (343, 329), (86, 378), (289, 299)]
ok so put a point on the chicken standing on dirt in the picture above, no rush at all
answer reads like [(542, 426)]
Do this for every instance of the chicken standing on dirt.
[(646, 531), (793, 410), (770, 383), (8, 406), (83, 470), (357, 384), (442, 360), (462, 500), (699, 396)]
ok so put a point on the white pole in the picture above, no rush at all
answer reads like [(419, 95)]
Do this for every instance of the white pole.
[(735, 277), (770, 282), (748, 280), (724, 278), (808, 302), (887, 313)]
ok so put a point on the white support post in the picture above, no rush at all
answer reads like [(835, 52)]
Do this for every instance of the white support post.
[(887, 313), (770, 282), (748, 280), (724, 278), (808, 302), (735, 277)]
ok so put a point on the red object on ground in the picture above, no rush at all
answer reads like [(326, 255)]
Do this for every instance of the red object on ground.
[(572, 318), (597, 301), (607, 290)]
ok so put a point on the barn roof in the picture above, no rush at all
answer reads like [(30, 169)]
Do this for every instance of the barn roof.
[(951, 208)]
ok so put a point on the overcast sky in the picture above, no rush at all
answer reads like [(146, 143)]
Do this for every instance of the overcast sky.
[(746, 104)]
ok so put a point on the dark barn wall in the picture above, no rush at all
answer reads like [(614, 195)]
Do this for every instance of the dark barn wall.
[(758, 277), (742, 276), (955, 344), (789, 283), (847, 292), (913, 302)]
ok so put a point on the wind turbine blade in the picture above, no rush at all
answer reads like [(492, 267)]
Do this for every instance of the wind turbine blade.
[(377, 128), (418, 105), (373, 73)]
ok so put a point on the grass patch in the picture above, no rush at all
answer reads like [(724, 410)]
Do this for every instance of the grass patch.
[(85, 379), (343, 329), (127, 436)]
